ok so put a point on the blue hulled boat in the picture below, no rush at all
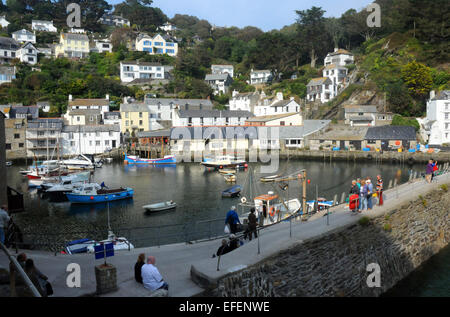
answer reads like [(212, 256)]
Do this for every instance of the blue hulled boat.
[(168, 159), (94, 193)]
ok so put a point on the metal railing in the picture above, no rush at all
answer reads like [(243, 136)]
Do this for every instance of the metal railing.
[(18, 268)]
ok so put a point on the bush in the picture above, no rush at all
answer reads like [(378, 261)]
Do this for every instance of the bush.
[(387, 227), (364, 221), (444, 187)]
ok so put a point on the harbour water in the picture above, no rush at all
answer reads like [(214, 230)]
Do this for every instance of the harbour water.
[(201, 209)]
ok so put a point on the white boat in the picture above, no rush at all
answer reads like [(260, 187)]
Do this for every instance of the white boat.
[(221, 162), (9, 163), (270, 209), (167, 205), (67, 180), (120, 243), (80, 162)]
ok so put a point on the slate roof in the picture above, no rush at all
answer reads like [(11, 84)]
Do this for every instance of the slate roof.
[(271, 117), (214, 114), (340, 51), (111, 114), (92, 128), (319, 81), (134, 107), (442, 95), (32, 110), (390, 132), (203, 133), (75, 36), (217, 76), (154, 134), (23, 31), (140, 63), (205, 103), (8, 43), (359, 109), (89, 102), (282, 103)]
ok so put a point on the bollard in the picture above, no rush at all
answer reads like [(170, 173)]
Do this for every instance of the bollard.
[(335, 201), (395, 182), (390, 184), (343, 198)]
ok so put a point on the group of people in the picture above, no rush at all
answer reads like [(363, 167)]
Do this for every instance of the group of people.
[(39, 280), (234, 224), (432, 168), (361, 194), (146, 273)]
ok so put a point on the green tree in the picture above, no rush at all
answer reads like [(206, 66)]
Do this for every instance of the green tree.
[(418, 79)]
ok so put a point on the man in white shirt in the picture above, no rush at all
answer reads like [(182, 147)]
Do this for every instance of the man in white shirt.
[(151, 278)]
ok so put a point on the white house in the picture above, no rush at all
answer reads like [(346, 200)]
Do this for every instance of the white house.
[(27, 53), (361, 116), (7, 74), (284, 119), (222, 69), (45, 26), (80, 111), (245, 101), (220, 83), (260, 76), (3, 22), (201, 118), (85, 139), (276, 105), (437, 121), (337, 74), (102, 46), (167, 27), (131, 70), (321, 88), (339, 57), (116, 20), (23, 36), (112, 117), (156, 45)]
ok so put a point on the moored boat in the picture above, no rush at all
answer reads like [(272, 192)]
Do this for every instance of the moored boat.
[(167, 205), (232, 192), (168, 159), (222, 162), (94, 193)]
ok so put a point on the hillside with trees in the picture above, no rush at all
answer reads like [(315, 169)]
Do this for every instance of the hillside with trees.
[(404, 59)]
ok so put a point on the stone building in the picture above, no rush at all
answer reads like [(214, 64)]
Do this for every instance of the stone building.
[(15, 130), (3, 185)]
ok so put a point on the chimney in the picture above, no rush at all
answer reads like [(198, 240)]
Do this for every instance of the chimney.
[(336, 49), (279, 96), (107, 97), (70, 98), (432, 94), (235, 93), (292, 98)]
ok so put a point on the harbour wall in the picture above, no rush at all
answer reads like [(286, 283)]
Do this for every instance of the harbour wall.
[(335, 263)]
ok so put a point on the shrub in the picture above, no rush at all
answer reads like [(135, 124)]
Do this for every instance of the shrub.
[(387, 227), (444, 187), (364, 221)]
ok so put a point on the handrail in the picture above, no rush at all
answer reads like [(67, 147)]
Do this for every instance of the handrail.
[(19, 269)]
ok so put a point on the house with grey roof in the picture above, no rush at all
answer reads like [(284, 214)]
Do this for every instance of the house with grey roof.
[(23, 36), (27, 53), (116, 20), (42, 136), (222, 69), (220, 83), (73, 45), (338, 137), (275, 105), (361, 115), (245, 101), (320, 89), (24, 112), (391, 138), (339, 57), (133, 70)]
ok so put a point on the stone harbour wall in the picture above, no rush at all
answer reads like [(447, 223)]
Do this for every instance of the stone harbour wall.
[(335, 264)]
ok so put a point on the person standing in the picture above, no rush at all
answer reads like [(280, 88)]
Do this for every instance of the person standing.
[(232, 220), (380, 190), (363, 196), (151, 278), (354, 197), (4, 220), (252, 224), (435, 169), (429, 171), (369, 194)]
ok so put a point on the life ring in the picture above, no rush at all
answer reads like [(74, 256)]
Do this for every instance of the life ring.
[(243, 200), (272, 211)]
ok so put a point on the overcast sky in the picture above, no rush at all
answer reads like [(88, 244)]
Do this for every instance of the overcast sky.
[(264, 14)]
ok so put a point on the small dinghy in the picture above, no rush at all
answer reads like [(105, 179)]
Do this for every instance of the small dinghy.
[(227, 171), (269, 179), (230, 178), (232, 192), (167, 205)]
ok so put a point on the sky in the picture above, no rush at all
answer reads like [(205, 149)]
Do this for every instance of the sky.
[(264, 14)]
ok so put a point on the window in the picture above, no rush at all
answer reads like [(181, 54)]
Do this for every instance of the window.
[(71, 135), (282, 123), (8, 146), (97, 133), (126, 115), (72, 143), (140, 122), (21, 145), (446, 115), (97, 143), (106, 142), (140, 114), (170, 51), (16, 136), (111, 133), (78, 119), (90, 143)]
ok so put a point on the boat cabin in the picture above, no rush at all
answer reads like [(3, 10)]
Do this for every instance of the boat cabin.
[(268, 208)]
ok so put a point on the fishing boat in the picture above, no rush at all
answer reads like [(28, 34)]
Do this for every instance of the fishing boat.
[(66, 180), (78, 246), (94, 193), (168, 159), (221, 162), (119, 243), (167, 205), (232, 192)]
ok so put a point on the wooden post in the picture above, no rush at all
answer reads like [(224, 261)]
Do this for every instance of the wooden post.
[(304, 192)]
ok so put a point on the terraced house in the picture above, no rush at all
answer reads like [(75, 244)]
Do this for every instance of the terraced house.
[(159, 44)]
